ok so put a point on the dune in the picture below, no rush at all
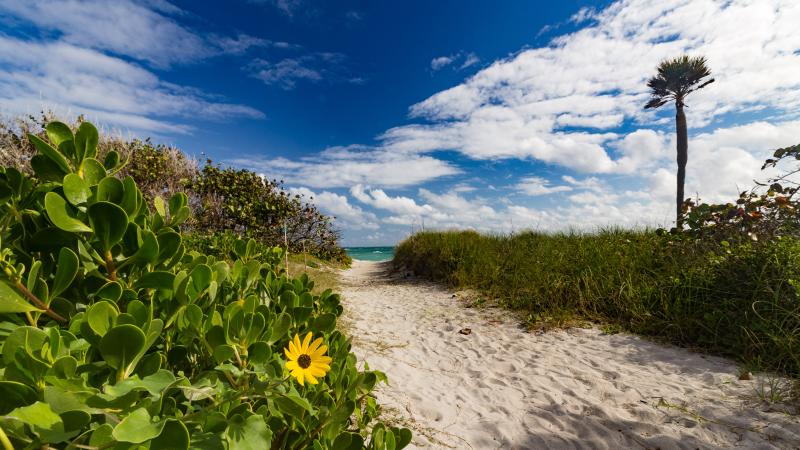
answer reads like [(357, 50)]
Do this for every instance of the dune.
[(502, 387)]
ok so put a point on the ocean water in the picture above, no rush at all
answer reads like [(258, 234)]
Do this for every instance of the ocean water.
[(370, 253)]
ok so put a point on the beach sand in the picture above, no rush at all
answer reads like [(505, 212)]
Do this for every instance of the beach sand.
[(501, 387)]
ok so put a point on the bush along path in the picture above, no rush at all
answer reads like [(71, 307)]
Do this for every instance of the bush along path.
[(115, 336), (469, 377)]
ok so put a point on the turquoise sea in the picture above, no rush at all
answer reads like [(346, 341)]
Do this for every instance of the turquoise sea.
[(371, 253)]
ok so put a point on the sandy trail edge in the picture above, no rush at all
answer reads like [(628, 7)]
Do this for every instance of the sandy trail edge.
[(501, 387)]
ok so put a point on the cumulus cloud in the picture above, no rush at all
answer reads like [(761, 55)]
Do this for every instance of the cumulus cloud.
[(349, 166), (84, 80), (346, 214), (145, 31), (539, 186), (558, 103)]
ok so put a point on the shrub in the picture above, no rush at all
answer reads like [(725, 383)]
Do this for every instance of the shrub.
[(220, 198), (115, 335)]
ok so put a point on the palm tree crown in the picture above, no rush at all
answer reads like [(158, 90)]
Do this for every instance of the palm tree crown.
[(676, 79)]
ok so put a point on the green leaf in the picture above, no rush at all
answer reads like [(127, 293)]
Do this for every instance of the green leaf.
[(348, 441), (58, 132), (174, 436), (131, 197), (120, 347), (111, 291), (62, 214), (248, 434), (14, 395), (92, 171), (109, 223), (110, 189), (158, 202), (47, 150), (111, 161), (75, 189), (38, 415), (12, 302), (66, 270), (137, 428), (324, 323), (101, 317), (155, 280), (46, 169), (280, 327), (403, 437), (293, 405), (25, 338), (86, 139)]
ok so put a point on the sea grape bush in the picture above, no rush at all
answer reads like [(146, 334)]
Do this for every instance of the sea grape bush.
[(115, 336), (220, 198)]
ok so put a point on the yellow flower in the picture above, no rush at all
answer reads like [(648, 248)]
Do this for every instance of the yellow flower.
[(307, 361)]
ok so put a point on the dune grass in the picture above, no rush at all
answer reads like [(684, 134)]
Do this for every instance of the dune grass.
[(735, 299)]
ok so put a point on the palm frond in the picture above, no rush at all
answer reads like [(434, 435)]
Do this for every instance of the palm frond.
[(677, 78)]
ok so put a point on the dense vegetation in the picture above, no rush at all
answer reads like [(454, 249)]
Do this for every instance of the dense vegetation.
[(116, 335), (729, 283), (221, 199)]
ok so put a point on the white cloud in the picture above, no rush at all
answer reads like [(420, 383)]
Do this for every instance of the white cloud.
[(441, 62), (141, 30), (377, 198), (312, 67), (349, 166), (346, 214), (528, 105), (67, 78), (539, 186), (467, 59)]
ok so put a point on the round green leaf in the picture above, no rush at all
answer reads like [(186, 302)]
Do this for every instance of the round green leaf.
[(75, 189), (92, 171), (46, 169), (137, 427), (121, 345), (62, 214), (109, 223), (58, 132), (50, 152), (66, 270), (14, 395), (174, 436), (110, 189), (101, 317), (86, 141)]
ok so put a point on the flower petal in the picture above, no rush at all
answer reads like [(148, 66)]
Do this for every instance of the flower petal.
[(297, 344), (299, 375), (321, 359), (311, 378), (316, 371), (319, 365), (320, 351), (306, 341), (314, 345), (292, 365), (290, 354)]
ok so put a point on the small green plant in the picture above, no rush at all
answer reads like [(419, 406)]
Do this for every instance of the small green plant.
[(116, 336)]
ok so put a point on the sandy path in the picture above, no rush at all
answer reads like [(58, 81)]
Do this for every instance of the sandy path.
[(501, 387)]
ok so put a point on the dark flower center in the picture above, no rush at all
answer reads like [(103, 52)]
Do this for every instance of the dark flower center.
[(304, 361)]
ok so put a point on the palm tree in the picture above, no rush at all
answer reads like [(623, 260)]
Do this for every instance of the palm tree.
[(676, 79)]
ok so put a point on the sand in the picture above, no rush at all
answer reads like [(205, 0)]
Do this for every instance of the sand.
[(501, 387)]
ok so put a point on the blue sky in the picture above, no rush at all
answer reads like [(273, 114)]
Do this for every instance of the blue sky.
[(495, 116)]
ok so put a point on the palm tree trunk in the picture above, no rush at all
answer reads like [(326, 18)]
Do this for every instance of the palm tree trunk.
[(683, 156)]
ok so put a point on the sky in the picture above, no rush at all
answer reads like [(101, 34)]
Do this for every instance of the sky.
[(393, 116)]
